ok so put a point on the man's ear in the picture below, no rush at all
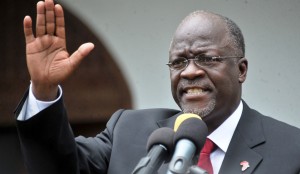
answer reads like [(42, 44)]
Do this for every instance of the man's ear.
[(243, 68)]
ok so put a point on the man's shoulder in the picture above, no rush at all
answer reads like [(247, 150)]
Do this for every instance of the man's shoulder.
[(269, 121), (150, 113), (272, 129), (279, 127), (277, 131), (153, 110)]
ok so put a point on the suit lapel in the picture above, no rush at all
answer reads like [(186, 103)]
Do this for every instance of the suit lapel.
[(248, 135), (237, 152)]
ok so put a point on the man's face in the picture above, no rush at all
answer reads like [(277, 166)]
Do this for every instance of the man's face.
[(213, 91)]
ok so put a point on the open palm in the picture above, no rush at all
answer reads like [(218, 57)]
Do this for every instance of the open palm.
[(48, 61)]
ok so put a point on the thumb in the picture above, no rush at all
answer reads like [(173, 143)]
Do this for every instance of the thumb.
[(82, 52)]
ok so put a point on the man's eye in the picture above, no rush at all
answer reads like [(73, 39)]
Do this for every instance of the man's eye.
[(179, 62), (205, 59)]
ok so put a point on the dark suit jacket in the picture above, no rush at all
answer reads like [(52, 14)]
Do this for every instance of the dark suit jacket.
[(270, 146)]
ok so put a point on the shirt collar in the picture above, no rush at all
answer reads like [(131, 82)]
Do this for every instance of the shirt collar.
[(223, 134)]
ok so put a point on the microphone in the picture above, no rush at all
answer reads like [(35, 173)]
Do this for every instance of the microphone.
[(190, 136), (181, 118), (159, 147)]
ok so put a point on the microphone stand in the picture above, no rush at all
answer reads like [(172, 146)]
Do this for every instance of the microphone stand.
[(151, 163)]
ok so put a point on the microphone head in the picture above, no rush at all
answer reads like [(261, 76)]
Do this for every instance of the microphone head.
[(193, 129), (162, 136), (183, 117)]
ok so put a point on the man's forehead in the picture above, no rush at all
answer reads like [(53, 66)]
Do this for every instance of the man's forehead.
[(205, 23), (200, 28), (202, 16)]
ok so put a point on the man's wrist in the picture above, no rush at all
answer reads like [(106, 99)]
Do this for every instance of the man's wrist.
[(32, 106)]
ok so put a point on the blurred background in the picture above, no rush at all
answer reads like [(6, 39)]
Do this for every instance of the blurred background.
[(127, 68)]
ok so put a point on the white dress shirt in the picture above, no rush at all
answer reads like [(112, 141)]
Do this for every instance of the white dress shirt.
[(222, 137)]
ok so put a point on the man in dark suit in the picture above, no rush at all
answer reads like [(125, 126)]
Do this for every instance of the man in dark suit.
[(207, 68)]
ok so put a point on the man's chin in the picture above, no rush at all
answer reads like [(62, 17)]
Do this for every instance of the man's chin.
[(202, 111)]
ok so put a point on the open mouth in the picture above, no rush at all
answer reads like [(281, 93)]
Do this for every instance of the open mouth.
[(194, 91)]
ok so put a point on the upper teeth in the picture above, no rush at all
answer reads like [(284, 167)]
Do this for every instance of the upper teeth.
[(194, 91)]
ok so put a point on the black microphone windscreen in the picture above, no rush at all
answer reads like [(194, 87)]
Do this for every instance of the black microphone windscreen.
[(193, 129), (163, 136)]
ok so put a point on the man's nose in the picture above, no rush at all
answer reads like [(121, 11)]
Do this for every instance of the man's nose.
[(192, 71)]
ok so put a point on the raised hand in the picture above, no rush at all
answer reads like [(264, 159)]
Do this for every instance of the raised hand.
[(48, 61)]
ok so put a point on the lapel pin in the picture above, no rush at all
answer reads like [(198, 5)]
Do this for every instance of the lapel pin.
[(245, 165)]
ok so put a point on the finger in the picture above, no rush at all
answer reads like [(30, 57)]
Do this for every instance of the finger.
[(82, 52), (27, 23), (50, 20), (40, 19), (60, 21)]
